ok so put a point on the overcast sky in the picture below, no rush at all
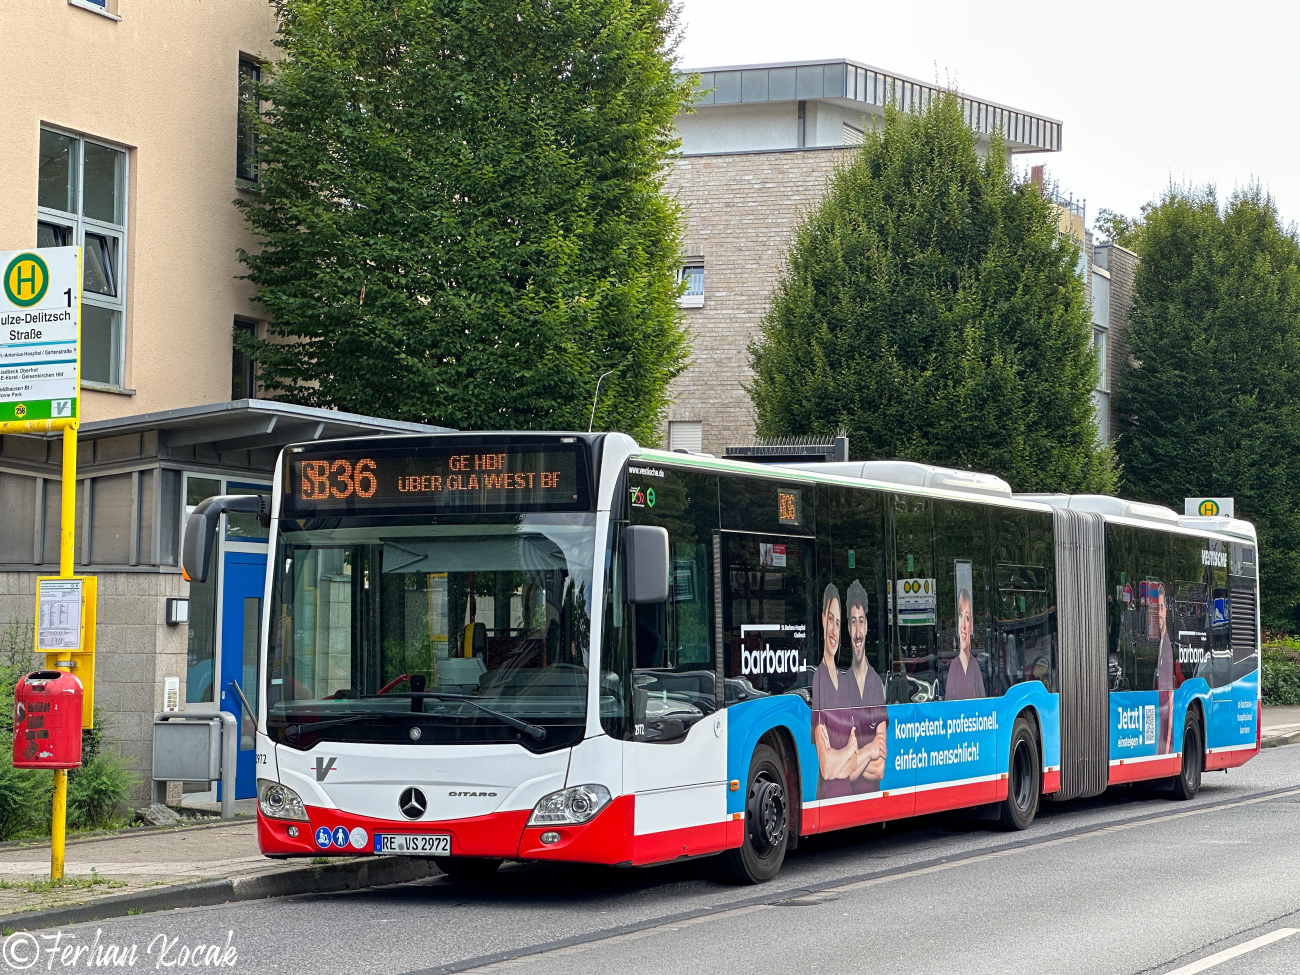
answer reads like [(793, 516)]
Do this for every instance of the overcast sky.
[(1147, 91)]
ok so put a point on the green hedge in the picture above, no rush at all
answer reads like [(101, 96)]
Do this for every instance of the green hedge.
[(1282, 672)]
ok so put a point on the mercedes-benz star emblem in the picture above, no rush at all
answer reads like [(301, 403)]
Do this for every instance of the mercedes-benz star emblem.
[(412, 803)]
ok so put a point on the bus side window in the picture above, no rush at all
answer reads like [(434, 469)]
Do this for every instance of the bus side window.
[(674, 670), (914, 673), (961, 538), (766, 599), (1023, 613), (1122, 600)]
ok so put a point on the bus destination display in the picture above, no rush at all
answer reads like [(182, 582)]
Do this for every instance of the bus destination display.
[(491, 478)]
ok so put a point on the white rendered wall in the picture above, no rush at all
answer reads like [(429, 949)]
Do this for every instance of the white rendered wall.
[(739, 128)]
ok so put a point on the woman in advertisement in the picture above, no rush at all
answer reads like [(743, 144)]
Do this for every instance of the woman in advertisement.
[(832, 724), (965, 682)]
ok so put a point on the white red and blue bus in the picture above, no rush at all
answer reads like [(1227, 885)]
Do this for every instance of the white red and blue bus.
[(488, 647)]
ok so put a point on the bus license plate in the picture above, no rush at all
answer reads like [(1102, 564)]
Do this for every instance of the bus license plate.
[(422, 844)]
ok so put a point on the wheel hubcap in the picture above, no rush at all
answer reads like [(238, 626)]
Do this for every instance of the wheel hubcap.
[(766, 814)]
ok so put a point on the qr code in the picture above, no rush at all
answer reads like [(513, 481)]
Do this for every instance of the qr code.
[(1149, 724)]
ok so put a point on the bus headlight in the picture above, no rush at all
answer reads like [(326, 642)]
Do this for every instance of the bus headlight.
[(279, 801), (570, 807)]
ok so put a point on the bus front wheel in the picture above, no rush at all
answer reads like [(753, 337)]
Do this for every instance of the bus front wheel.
[(1024, 778), (767, 822)]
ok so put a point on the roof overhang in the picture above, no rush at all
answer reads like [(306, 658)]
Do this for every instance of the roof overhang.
[(868, 89)]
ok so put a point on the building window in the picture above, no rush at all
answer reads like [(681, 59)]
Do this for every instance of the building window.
[(243, 378), (693, 296), (250, 75), (1101, 413), (685, 435), (81, 201), (1103, 365)]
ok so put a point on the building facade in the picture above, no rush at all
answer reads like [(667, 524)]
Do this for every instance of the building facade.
[(756, 153), (135, 155), (1114, 269)]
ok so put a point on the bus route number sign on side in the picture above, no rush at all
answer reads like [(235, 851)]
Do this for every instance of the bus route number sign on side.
[(40, 311)]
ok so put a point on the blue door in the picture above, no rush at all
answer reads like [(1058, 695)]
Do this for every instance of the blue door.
[(243, 583)]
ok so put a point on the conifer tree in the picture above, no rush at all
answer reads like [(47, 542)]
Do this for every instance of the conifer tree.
[(933, 310), (461, 212), (1211, 402)]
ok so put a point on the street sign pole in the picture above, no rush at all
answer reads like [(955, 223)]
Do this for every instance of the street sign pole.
[(67, 541), (40, 392)]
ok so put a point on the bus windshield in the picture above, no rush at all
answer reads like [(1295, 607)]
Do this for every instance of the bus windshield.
[(455, 629)]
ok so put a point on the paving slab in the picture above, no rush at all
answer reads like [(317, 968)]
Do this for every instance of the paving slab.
[(151, 869)]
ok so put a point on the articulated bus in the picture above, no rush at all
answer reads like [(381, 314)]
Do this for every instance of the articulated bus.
[(487, 647)]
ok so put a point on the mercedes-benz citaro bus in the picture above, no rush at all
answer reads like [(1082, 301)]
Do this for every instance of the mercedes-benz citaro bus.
[(525, 646)]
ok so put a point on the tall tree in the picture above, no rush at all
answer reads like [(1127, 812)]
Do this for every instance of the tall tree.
[(461, 211), (1119, 229), (1212, 397), (932, 308)]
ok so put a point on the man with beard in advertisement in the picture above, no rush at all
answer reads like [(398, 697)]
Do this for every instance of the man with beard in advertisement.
[(832, 722), (965, 681), (866, 698)]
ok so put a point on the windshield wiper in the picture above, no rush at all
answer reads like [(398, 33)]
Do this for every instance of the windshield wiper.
[(294, 731), (533, 731)]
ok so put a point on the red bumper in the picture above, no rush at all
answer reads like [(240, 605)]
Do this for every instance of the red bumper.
[(606, 839)]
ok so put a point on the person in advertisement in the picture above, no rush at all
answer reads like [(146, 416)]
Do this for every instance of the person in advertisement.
[(1167, 676), (866, 699), (832, 724), (965, 682)]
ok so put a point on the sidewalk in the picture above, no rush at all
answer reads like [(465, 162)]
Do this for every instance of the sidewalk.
[(1281, 726), (149, 869)]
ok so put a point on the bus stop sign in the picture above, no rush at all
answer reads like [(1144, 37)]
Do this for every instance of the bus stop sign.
[(40, 317)]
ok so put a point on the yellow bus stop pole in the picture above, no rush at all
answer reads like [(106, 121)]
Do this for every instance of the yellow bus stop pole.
[(67, 542)]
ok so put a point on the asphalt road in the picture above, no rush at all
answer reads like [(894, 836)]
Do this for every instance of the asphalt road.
[(1125, 883)]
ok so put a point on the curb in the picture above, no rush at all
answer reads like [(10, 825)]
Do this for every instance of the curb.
[(1290, 736), (315, 879)]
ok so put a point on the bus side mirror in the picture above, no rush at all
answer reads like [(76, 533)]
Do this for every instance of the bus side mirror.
[(647, 563), (201, 529)]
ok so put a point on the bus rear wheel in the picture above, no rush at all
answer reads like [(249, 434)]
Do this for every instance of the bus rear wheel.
[(466, 868), (767, 822), (1188, 780), (1024, 778)]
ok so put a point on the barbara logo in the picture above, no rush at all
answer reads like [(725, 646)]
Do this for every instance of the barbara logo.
[(471, 793), (769, 661)]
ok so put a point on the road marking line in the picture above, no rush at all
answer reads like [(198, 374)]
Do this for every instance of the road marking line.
[(1237, 952), (523, 955)]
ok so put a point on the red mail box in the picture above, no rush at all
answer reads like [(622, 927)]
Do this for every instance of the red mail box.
[(47, 721)]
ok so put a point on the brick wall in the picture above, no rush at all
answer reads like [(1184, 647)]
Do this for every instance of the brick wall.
[(136, 650), (741, 211)]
